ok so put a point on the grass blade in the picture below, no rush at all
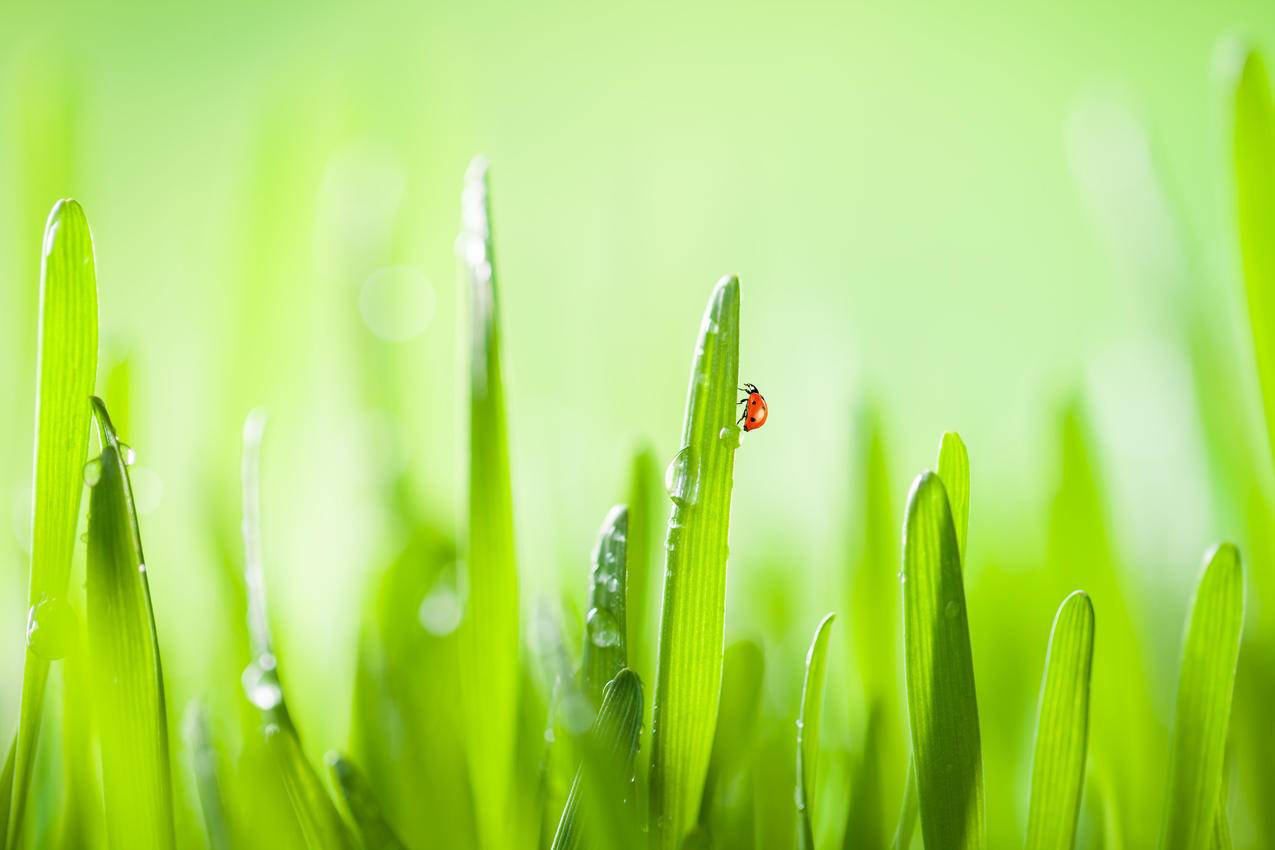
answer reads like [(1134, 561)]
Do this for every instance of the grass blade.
[(128, 683), (65, 375), (646, 505), (1062, 728), (363, 805), (1254, 153), (907, 812), (939, 670), (954, 469), (808, 730), (208, 780), (489, 638), (1205, 687), (605, 629), (743, 669), (691, 631), (595, 804)]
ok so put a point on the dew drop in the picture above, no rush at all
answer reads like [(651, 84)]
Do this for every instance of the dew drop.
[(93, 471), (260, 684), (681, 479), (127, 454), (613, 584), (440, 611), (731, 435), (604, 631), (952, 609), (51, 628)]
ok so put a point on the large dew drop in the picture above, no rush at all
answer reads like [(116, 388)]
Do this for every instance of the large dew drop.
[(441, 610), (731, 435), (681, 479), (604, 631), (93, 472), (261, 684), (51, 629)]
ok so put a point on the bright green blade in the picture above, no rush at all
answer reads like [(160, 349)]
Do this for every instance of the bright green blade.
[(1254, 152), (939, 671), (127, 681), (646, 516), (363, 805), (954, 469), (65, 375), (691, 630), (1205, 687), (605, 627), (808, 730), (907, 812), (489, 639), (1062, 728), (315, 814), (595, 805), (743, 668), (208, 780)]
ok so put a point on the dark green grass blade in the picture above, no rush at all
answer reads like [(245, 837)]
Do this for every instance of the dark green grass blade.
[(1205, 688), (691, 631), (315, 814), (489, 638), (605, 650), (66, 372), (364, 808), (208, 780), (127, 680), (1254, 153), (939, 671), (808, 730), (595, 806), (1062, 728)]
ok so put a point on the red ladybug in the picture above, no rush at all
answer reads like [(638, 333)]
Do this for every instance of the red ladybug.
[(755, 410)]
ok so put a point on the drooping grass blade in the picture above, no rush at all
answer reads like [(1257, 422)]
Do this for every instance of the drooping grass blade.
[(939, 670), (596, 813), (605, 626), (65, 375), (808, 730), (691, 630), (127, 680), (315, 814), (1062, 728), (1206, 684), (1254, 155), (364, 807), (489, 638), (208, 779)]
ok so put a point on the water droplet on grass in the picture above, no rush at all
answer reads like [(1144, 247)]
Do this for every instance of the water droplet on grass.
[(604, 631), (440, 611), (51, 628), (127, 454), (260, 684), (731, 435), (681, 479), (93, 471)]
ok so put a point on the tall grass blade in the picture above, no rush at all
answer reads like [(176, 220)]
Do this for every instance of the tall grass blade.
[(808, 730), (315, 814), (1062, 728), (646, 505), (65, 374), (127, 680), (595, 806), (208, 779), (743, 669), (364, 807), (939, 671), (1205, 688), (489, 639), (606, 627), (691, 630), (954, 470), (1254, 154)]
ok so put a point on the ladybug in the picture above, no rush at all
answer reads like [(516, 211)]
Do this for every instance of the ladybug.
[(755, 409)]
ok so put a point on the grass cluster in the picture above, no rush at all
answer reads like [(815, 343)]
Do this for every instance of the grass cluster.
[(635, 724)]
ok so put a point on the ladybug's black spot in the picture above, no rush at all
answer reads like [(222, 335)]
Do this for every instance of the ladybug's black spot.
[(752, 419)]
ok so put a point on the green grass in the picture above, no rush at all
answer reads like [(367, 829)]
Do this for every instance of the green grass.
[(808, 731)]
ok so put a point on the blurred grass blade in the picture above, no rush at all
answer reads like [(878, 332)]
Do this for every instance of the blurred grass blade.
[(743, 669), (128, 683), (605, 628), (1221, 821), (808, 730), (907, 813), (691, 630), (208, 782), (363, 806), (1205, 687), (6, 784), (939, 670), (1062, 728), (1254, 152), (489, 639), (315, 814), (595, 805), (954, 469), (646, 505), (65, 374)]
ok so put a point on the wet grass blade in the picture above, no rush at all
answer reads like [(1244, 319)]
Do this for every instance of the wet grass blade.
[(489, 638), (1205, 687), (595, 805), (1062, 728), (65, 376), (127, 680), (691, 630), (315, 814), (808, 730), (1254, 157), (939, 671), (363, 805), (605, 629)]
